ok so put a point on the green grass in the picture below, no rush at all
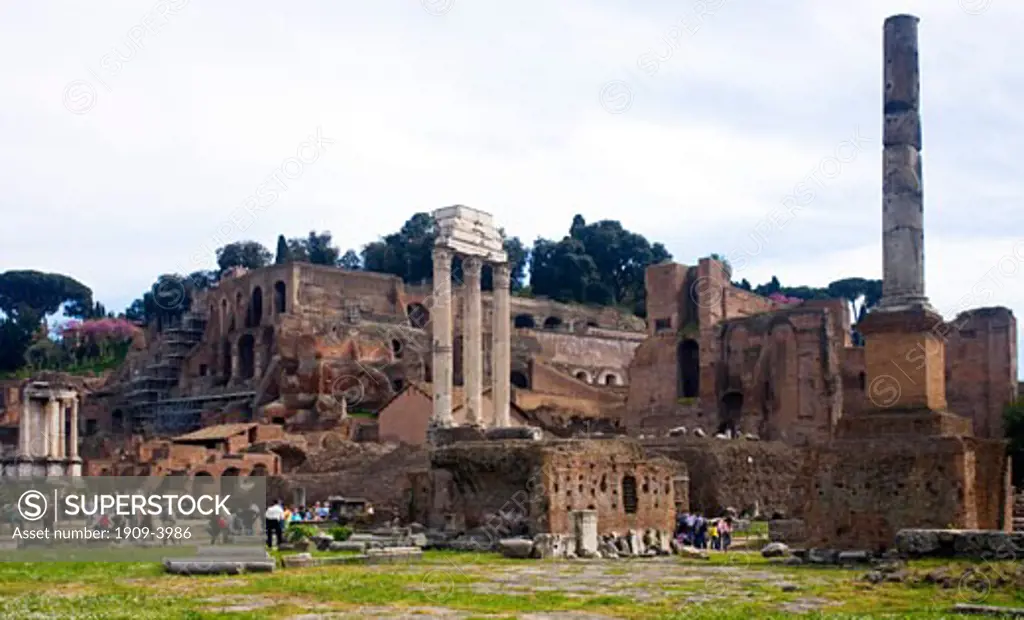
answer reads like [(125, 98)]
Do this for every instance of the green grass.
[(731, 585)]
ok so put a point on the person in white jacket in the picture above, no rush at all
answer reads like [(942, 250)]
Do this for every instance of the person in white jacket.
[(274, 524)]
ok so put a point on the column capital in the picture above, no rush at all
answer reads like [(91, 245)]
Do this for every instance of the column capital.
[(443, 256), (500, 273), (472, 266)]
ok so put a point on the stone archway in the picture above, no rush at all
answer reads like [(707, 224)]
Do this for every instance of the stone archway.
[(523, 321), (419, 316), (246, 356), (519, 380), (255, 314), (552, 322), (731, 412), (280, 303), (688, 362)]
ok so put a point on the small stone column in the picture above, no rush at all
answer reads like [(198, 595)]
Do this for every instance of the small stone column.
[(474, 347), (501, 347), (73, 443), (53, 419), (25, 429), (441, 336), (585, 530)]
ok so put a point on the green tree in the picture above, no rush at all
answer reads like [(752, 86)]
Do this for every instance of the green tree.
[(1013, 425), (283, 254), (247, 254), (27, 297), (350, 260), (406, 253), (599, 263)]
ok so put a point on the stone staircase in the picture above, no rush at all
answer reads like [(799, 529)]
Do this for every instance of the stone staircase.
[(153, 383)]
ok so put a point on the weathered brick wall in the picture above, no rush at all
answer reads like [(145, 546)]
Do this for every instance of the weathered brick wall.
[(594, 357), (586, 481), (860, 493), (981, 367), (855, 382), (736, 474), (992, 484)]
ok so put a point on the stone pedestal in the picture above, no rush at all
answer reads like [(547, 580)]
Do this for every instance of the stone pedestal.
[(585, 531), (905, 359)]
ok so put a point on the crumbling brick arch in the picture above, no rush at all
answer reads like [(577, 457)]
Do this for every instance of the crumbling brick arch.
[(688, 363), (611, 378), (520, 380), (225, 358), (280, 298), (553, 322), (730, 412), (419, 316), (255, 313), (246, 356), (583, 375), (239, 313), (524, 321)]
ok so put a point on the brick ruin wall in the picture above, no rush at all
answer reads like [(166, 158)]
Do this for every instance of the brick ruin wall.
[(858, 494), (544, 482), (743, 475)]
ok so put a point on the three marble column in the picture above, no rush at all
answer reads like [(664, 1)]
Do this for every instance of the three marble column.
[(443, 358)]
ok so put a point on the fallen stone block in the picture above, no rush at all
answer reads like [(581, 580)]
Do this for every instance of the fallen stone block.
[(966, 544), (694, 553), (217, 567), (338, 545), (775, 550), (854, 557), (519, 548)]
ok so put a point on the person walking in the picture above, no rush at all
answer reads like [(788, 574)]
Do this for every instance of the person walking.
[(274, 524), (725, 531), (713, 535)]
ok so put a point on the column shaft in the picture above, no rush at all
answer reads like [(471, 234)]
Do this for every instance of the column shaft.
[(73, 444), (52, 417), (902, 187), (501, 347), (441, 337), (25, 428), (474, 341)]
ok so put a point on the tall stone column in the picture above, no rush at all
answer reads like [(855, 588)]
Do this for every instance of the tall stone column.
[(902, 190), (501, 347), (441, 336), (73, 443), (474, 342)]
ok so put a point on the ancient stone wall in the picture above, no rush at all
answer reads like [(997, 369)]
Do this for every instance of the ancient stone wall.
[(860, 493), (981, 367), (628, 490), (744, 475)]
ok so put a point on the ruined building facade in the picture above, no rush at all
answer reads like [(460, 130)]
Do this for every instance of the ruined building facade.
[(720, 358), (304, 344)]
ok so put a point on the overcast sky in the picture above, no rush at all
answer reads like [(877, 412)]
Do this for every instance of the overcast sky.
[(135, 135)]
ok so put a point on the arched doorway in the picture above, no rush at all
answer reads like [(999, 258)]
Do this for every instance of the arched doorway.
[(524, 321), (731, 412), (225, 357), (246, 356), (519, 380), (688, 361), (256, 307), (611, 379), (259, 470), (419, 316), (552, 322), (583, 376), (279, 297)]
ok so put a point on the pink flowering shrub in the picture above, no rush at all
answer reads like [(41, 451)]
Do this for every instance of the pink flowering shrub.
[(99, 331), (785, 299)]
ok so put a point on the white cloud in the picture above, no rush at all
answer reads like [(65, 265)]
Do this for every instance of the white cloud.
[(497, 105)]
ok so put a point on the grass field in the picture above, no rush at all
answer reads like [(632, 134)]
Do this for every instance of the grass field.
[(465, 586)]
